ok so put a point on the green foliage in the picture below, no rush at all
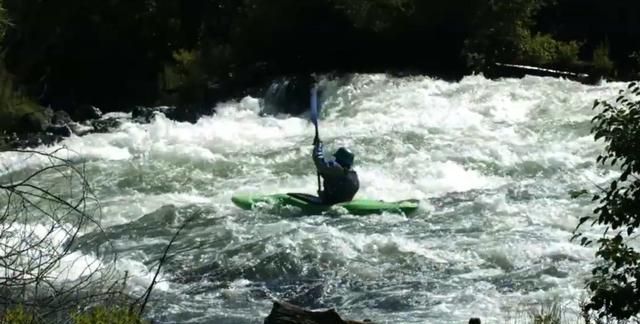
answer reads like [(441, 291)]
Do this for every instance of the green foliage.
[(19, 315), (552, 311), (15, 107), (188, 65), (614, 284), (376, 15), (601, 61), (567, 52), (544, 50), (539, 49), (104, 315), (100, 314), (121, 53), (4, 21), (547, 314), (187, 75), (501, 30), (91, 51), (504, 31), (16, 110)]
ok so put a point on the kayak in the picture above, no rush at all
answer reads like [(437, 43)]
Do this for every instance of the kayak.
[(312, 204)]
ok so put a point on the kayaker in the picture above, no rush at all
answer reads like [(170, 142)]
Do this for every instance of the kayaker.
[(340, 181)]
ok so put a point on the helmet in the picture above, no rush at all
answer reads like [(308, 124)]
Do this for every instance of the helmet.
[(344, 157)]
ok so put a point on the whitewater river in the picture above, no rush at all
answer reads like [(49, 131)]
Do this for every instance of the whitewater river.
[(492, 163)]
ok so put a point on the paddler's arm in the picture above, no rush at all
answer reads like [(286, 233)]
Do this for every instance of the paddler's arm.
[(324, 166)]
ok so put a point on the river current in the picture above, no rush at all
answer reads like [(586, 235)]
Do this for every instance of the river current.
[(492, 163)]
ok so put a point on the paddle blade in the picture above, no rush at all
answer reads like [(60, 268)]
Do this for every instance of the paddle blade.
[(314, 105)]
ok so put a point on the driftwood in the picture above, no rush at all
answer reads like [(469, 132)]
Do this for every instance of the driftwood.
[(285, 313), (514, 70)]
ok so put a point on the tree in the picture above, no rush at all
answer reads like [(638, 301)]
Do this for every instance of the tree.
[(615, 280), (4, 21)]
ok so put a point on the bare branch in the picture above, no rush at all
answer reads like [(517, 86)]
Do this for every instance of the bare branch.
[(32, 271), (161, 262)]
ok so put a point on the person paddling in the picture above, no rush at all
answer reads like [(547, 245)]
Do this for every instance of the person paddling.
[(340, 181)]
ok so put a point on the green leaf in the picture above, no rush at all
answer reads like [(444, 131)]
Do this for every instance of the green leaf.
[(625, 174), (584, 241), (583, 219)]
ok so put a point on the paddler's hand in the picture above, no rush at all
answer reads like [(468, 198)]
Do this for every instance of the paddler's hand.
[(316, 141)]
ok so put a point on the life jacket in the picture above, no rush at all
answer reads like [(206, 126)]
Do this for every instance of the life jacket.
[(340, 188)]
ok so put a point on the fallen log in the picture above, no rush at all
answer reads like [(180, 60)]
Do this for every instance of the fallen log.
[(519, 71), (285, 313), (542, 71)]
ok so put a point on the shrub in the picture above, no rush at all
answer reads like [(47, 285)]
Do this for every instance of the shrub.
[(104, 315), (602, 64), (544, 50), (18, 315), (615, 279)]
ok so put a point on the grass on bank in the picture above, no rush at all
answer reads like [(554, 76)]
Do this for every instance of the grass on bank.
[(543, 313), (556, 312), (100, 314)]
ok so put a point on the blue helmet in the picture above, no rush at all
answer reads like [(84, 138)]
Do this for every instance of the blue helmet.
[(344, 157)]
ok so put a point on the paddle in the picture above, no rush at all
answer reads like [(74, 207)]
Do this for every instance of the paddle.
[(314, 120)]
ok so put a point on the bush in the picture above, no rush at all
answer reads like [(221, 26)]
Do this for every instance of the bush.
[(602, 64), (19, 315), (501, 31), (100, 314), (567, 52), (4, 21), (615, 279), (14, 107), (374, 15), (104, 315), (15, 112), (544, 50)]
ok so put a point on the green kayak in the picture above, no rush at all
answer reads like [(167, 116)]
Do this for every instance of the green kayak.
[(312, 204)]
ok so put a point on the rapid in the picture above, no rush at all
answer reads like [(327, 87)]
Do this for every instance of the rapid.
[(492, 162)]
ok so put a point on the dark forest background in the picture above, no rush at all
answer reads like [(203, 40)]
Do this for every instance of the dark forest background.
[(116, 54)]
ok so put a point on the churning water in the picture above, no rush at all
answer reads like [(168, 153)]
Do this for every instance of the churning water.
[(492, 163)]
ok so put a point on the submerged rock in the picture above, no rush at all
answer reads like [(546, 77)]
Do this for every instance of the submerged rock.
[(288, 95), (145, 114), (86, 112), (187, 113), (32, 123), (48, 127), (282, 313), (59, 130), (105, 125), (61, 118)]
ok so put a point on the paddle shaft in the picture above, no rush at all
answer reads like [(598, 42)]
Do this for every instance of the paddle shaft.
[(314, 118), (315, 141)]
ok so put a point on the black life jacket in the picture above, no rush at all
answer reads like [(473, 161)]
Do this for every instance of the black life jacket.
[(340, 188)]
